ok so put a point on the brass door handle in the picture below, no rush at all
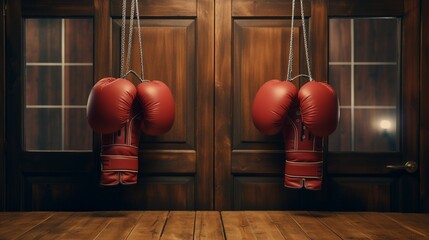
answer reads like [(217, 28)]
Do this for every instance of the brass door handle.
[(409, 166)]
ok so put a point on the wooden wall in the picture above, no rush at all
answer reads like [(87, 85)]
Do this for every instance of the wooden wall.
[(424, 111), (214, 55)]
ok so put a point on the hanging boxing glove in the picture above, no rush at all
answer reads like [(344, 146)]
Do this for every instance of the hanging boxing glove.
[(157, 105), (303, 153), (113, 111), (271, 104), (318, 103)]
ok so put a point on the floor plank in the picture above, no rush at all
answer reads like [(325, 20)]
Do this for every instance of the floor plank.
[(416, 222), (375, 230), (236, 225), (51, 228), (393, 228), (313, 227), (286, 225), (299, 225), (17, 223), (149, 226), (119, 226), (208, 225), (179, 225), (262, 225), (340, 225)]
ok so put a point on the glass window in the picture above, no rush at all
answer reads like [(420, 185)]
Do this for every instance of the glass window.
[(58, 79), (364, 69)]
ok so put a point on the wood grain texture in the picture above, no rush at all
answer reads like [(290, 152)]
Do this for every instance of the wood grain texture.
[(205, 105), (424, 110), (2, 111), (150, 225), (121, 225), (19, 223), (171, 8), (60, 8), (274, 8), (365, 8), (295, 225), (410, 96), (208, 225), (313, 228), (180, 225), (223, 189)]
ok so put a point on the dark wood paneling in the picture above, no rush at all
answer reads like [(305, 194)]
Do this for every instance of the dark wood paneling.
[(59, 193), (260, 54), (363, 194), (365, 8), (263, 193), (424, 120), (319, 45), (168, 56), (340, 80), (258, 8), (223, 187), (14, 45), (205, 104), (258, 161), (168, 161), (173, 8), (31, 8), (424, 110), (361, 163), (2, 110), (269, 193), (410, 95), (151, 193)]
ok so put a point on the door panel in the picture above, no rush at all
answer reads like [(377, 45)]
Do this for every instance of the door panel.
[(57, 164), (357, 47)]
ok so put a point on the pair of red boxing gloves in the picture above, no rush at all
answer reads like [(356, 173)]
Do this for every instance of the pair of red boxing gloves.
[(305, 116), (119, 111)]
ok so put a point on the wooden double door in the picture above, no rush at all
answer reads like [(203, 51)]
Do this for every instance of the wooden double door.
[(214, 55)]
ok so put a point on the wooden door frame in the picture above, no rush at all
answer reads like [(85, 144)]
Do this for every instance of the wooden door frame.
[(2, 108), (424, 109)]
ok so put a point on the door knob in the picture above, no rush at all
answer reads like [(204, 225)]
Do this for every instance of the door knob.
[(409, 166)]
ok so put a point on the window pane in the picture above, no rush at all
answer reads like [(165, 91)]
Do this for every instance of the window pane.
[(364, 69), (58, 79)]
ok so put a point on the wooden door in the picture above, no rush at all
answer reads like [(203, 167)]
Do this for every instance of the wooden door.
[(57, 51), (368, 51)]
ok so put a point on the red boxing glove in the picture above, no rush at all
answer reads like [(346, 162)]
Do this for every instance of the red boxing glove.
[(113, 111), (271, 104), (109, 104), (318, 103), (119, 152), (157, 104), (304, 154)]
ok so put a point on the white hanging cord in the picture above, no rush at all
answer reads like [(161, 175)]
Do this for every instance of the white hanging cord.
[(124, 12), (140, 39), (290, 63), (130, 36), (307, 57), (291, 43), (127, 70)]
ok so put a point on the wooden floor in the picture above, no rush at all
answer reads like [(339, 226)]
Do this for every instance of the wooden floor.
[(213, 225)]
